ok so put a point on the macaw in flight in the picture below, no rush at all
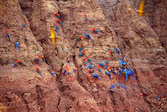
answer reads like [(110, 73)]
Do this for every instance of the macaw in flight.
[(117, 84), (141, 8), (53, 36)]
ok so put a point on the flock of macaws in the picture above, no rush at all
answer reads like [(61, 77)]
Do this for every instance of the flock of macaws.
[(109, 70)]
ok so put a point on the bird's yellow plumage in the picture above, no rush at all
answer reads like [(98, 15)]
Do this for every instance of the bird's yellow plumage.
[(141, 8), (53, 36)]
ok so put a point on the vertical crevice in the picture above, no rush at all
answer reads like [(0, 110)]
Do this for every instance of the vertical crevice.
[(41, 103), (59, 99), (26, 103)]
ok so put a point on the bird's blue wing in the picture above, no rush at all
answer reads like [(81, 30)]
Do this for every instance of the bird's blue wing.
[(123, 86), (112, 86)]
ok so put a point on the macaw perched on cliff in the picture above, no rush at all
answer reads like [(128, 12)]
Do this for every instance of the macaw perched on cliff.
[(58, 21), (51, 72), (120, 71), (110, 52), (99, 68), (75, 69), (80, 49), (117, 84), (57, 27), (117, 50), (38, 70), (7, 34), (81, 45), (15, 63), (89, 60), (79, 39), (108, 73), (102, 65), (107, 62), (58, 15), (84, 63), (122, 62), (96, 76), (36, 60), (115, 71), (86, 17), (24, 25), (84, 59), (87, 35), (43, 59), (141, 8), (68, 72), (159, 97), (91, 70), (109, 68), (90, 66), (82, 53), (94, 30), (128, 72), (67, 69), (17, 45)]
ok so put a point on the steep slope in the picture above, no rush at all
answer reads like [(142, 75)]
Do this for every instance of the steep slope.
[(140, 42), (157, 18), (24, 90)]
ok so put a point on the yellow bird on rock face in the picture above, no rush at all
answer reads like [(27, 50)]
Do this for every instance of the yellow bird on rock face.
[(141, 8), (53, 36)]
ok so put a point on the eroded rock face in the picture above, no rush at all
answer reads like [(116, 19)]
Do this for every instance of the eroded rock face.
[(157, 18), (23, 89)]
